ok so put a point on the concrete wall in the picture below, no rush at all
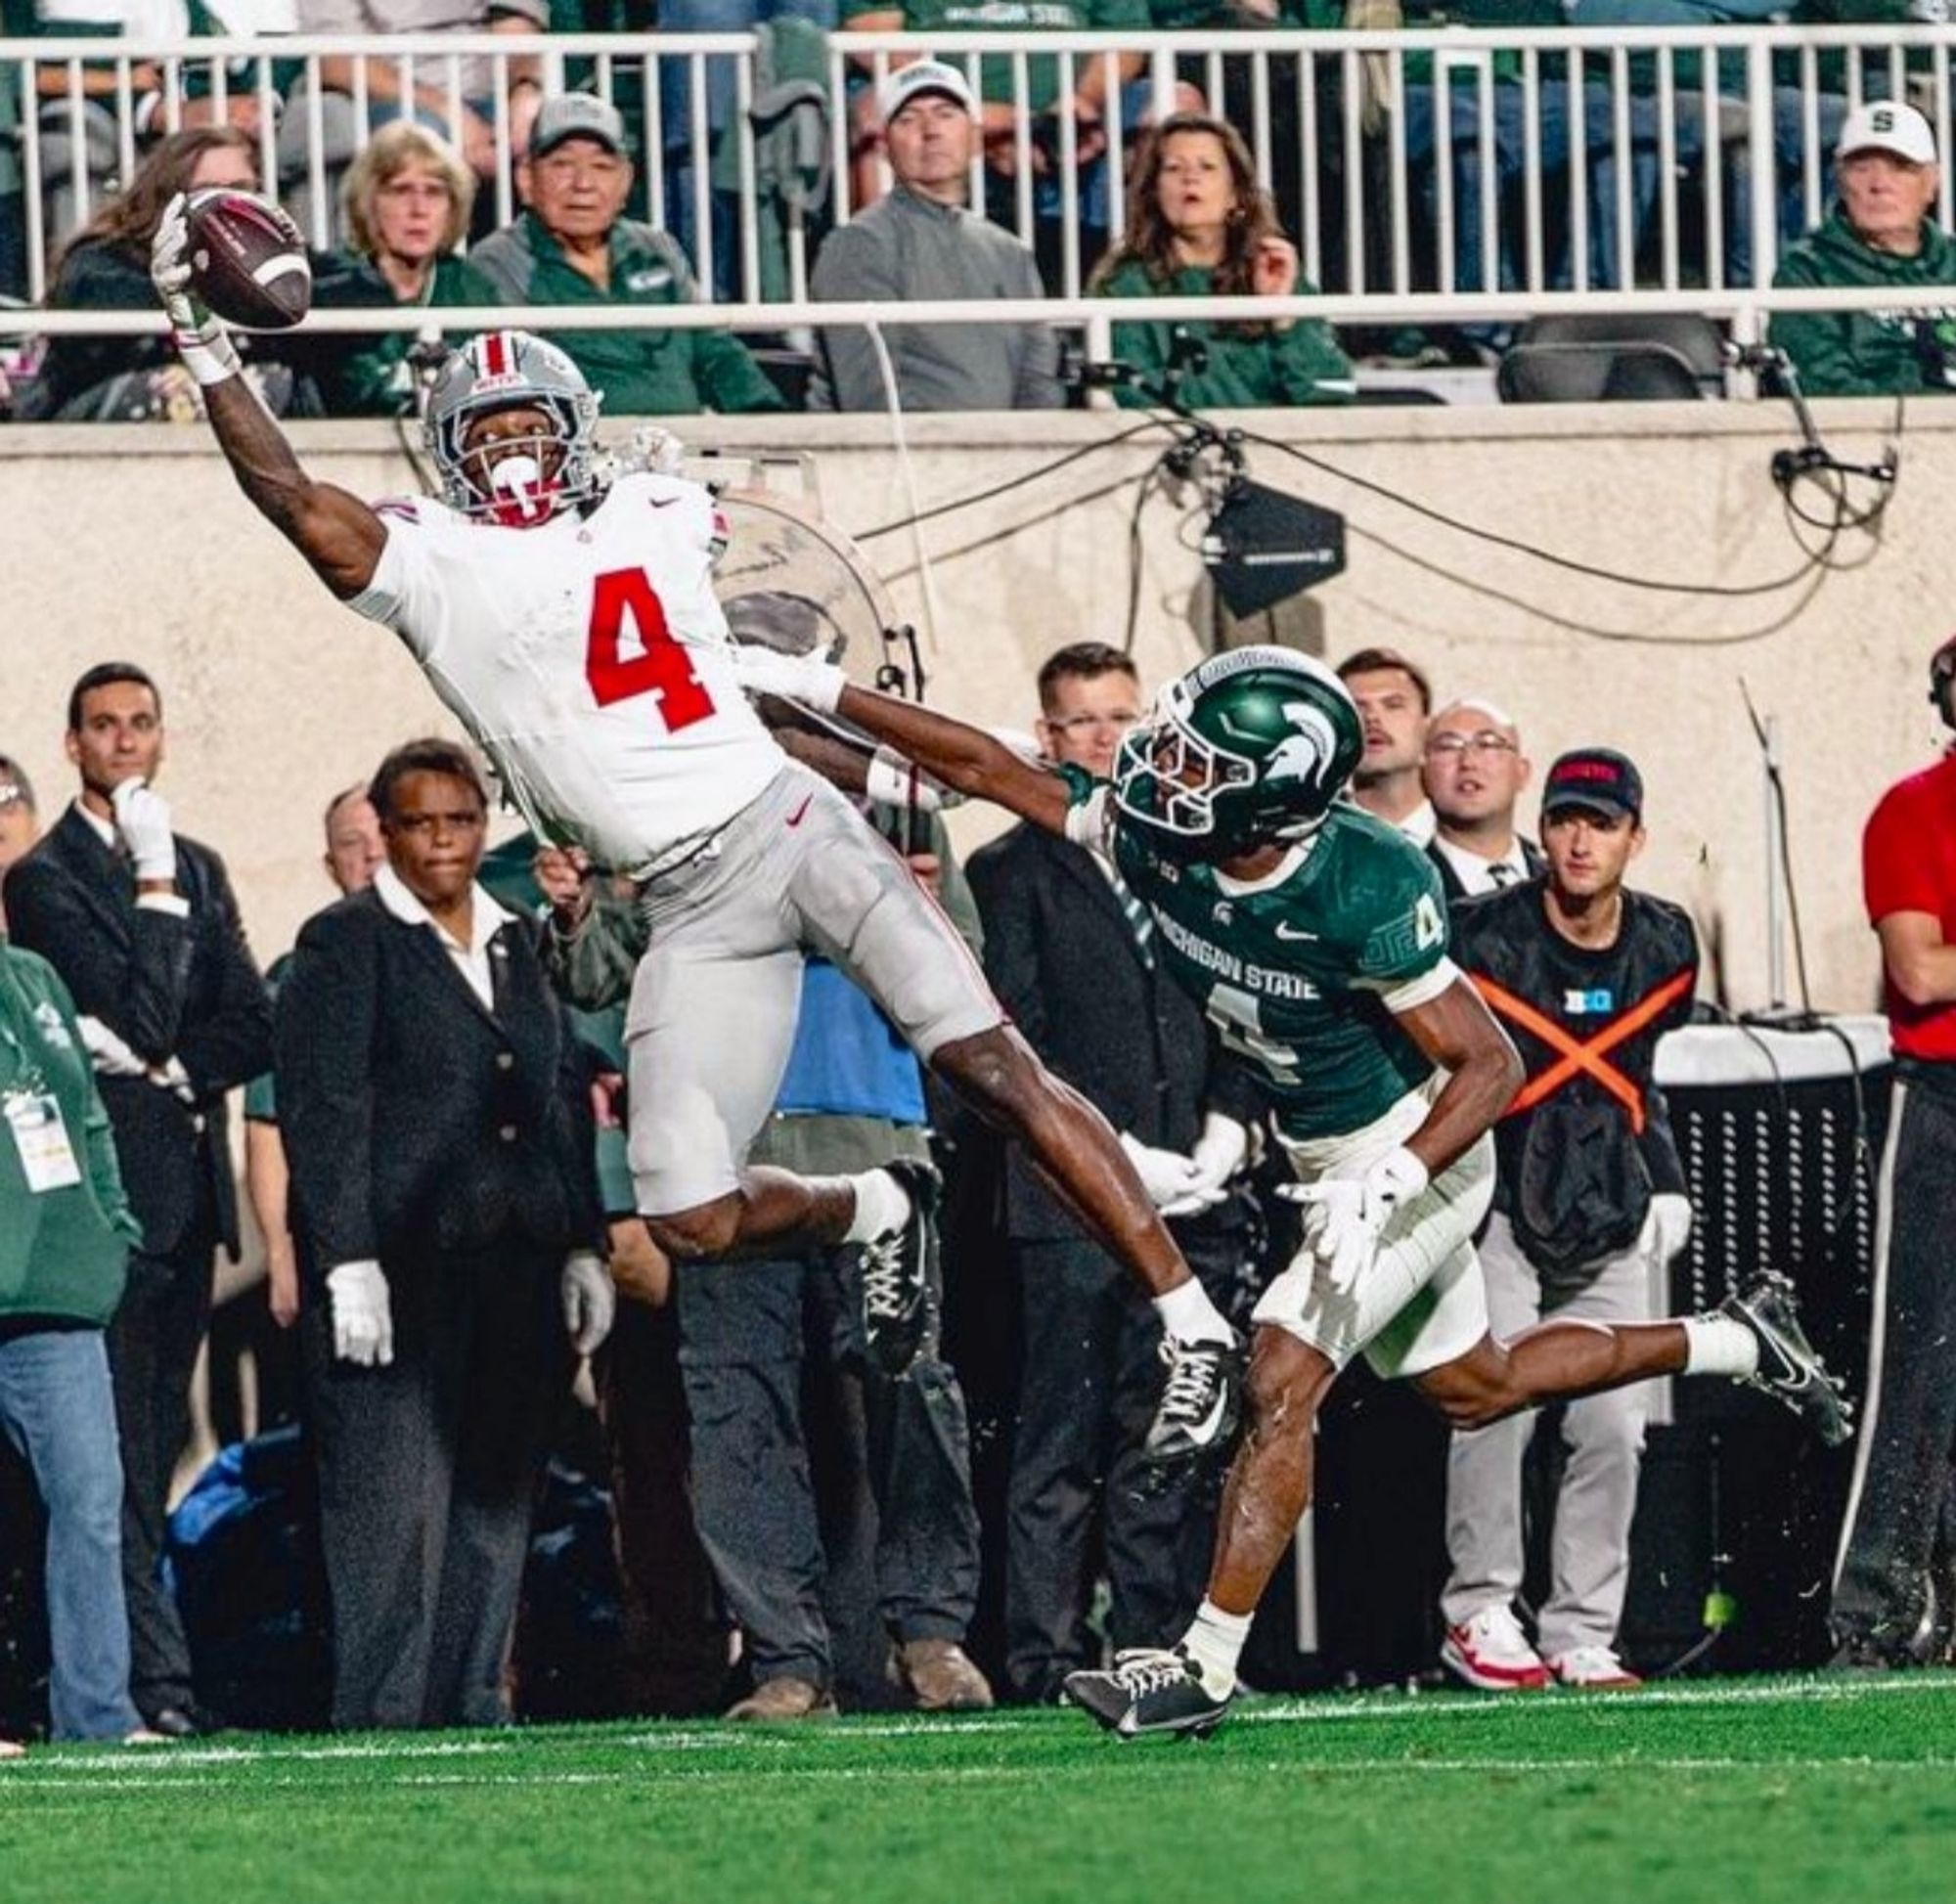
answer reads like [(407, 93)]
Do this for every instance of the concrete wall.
[(131, 541)]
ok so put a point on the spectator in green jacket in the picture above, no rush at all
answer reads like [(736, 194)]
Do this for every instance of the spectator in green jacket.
[(1199, 225), (407, 200), (1879, 233), (65, 1229), (573, 246)]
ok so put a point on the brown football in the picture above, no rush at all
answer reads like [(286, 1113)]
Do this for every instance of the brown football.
[(248, 260)]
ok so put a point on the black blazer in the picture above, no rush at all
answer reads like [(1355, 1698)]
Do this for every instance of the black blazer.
[(1063, 960), (1450, 880), (168, 986), (416, 1121)]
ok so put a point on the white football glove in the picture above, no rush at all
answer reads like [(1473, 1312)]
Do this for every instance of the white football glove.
[(590, 1300), (1346, 1214), (799, 677), (893, 782), (1217, 1156), (201, 340), (1667, 1227), (1166, 1175), (363, 1317), (143, 819)]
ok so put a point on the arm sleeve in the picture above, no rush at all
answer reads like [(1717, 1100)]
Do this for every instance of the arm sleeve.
[(1817, 341), (1403, 932), (728, 376), (105, 1170), (1896, 875), (232, 1043), (593, 969), (1039, 385), (852, 265), (1144, 347), (1011, 941), (1310, 366), (138, 990), (324, 1041), (402, 595)]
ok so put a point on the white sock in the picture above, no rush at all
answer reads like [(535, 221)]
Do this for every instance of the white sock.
[(881, 1204), (1214, 1641), (1188, 1316), (1715, 1345)]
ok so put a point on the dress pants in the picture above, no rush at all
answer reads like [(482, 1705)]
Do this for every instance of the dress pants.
[(1090, 1379), (1604, 1435), (427, 1480), (757, 1342), (154, 1339)]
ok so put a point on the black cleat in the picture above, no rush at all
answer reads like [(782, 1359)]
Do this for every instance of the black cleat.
[(1789, 1368), (896, 1274), (1151, 1689), (1200, 1399)]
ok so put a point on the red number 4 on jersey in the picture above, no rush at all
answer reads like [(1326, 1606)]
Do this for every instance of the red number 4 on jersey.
[(663, 668)]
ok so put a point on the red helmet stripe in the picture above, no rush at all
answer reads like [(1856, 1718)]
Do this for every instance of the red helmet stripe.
[(495, 354)]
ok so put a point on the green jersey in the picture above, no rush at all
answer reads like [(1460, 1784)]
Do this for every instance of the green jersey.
[(1301, 973)]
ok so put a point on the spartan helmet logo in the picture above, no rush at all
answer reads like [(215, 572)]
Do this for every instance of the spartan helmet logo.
[(1305, 754)]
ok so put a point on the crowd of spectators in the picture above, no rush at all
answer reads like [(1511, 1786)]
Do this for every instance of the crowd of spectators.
[(1197, 222)]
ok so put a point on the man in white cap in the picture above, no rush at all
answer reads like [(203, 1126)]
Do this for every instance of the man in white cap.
[(921, 241), (1878, 232)]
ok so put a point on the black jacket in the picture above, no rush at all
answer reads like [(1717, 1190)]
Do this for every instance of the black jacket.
[(166, 987), (1065, 961), (416, 1121), (1450, 880), (1579, 1162)]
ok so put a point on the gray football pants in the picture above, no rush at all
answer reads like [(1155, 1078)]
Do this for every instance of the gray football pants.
[(1604, 1434)]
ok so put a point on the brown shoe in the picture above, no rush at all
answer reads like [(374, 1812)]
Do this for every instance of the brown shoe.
[(939, 1676), (785, 1698)]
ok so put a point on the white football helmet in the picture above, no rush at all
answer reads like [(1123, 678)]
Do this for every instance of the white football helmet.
[(529, 479)]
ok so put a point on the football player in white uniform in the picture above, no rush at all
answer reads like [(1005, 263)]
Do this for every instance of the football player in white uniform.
[(572, 628)]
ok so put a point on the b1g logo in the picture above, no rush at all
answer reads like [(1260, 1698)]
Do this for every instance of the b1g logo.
[(1588, 1005)]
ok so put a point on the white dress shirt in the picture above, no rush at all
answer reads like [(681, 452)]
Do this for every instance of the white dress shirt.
[(486, 919), (1479, 875)]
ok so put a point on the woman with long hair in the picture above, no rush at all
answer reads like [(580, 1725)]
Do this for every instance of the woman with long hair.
[(105, 267), (406, 202), (1200, 226)]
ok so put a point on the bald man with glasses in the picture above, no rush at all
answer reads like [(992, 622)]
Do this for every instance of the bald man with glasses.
[(1473, 771)]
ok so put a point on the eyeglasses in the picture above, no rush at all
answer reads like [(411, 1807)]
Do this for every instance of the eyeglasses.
[(1453, 747), (1079, 723)]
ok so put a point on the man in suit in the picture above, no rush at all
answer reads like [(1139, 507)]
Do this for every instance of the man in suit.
[(1473, 771), (144, 929), (1067, 951), (437, 1125)]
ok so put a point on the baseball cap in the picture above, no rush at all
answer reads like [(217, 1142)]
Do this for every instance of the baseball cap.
[(1886, 125), (1599, 777), (577, 116), (914, 80)]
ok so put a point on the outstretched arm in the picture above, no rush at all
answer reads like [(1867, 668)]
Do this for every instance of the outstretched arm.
[(1465, 1039), (964, 758), (336, 533)]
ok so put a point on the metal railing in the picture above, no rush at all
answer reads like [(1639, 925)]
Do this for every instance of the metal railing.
[(1450, 161)]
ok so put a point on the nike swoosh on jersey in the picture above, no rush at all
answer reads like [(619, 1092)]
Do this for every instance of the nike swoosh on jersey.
[(1294, 932), (795, 818)]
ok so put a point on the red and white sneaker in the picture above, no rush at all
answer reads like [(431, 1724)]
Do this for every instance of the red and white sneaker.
[(1492, 1654), (1593, 1669)]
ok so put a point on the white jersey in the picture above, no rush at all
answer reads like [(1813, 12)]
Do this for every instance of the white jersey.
[(589, 657)]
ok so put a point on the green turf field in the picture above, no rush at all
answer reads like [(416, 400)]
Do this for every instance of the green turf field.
[(1734, 1790)]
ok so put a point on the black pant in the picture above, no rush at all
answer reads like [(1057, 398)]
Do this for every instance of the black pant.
[(781, 1400), (152, 1343), (1909, 1430), (1090, 1379), (428, 1479)]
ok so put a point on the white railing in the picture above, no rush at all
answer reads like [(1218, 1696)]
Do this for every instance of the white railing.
[(1451, 160)]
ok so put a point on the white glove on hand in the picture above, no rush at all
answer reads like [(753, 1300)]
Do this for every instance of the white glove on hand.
[(110, 1057), (143, 819), (590, 1300), (201, 340), (893, 782), (1217, 1156), (1166, 1175), (1345, 1215), (363, 1319), (1667, 1227), (798, 677)]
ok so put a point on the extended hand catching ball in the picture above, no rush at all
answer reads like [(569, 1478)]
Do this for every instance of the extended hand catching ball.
[(248, 260)]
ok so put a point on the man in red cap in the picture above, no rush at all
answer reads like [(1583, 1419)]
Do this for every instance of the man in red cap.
[(1908, 871)]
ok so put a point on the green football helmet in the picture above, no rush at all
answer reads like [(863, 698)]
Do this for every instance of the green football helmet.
[(1248, 747)]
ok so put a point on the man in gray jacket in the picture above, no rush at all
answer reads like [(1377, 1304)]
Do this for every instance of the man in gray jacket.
[(922, 242)]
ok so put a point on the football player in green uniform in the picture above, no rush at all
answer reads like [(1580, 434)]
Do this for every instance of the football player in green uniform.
[(1316, 937)]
